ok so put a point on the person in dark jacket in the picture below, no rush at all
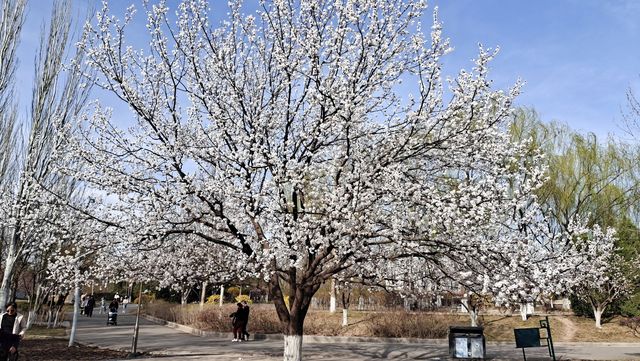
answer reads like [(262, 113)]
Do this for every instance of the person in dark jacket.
[(238, 323), (91, 303), (113, 306), (245, 316), (12, 328)]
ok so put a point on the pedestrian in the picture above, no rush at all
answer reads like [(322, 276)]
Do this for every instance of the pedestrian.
[(113, 306), (245, 316), (103, 306), (12, 329), (237, 323), (125, 302), (83, 303), (91, 303)]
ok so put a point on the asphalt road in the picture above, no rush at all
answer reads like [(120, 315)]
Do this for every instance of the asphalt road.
[(168, 344)]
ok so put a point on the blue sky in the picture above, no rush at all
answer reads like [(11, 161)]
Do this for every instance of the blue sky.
[(578, 57)]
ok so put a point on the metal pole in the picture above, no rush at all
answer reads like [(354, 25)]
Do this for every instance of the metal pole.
[(134, 344), (552, 352)]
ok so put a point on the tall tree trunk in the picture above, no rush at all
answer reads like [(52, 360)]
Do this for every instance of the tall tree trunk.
[(345, 317), (9, 268), (76, 312), (184, 296), (292, 317), (332, 300), (5, 287), (597, 313), (50, 317), (203, 294), (473, 315), (523, 311)]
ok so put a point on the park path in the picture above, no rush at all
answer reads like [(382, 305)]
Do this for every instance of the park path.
[(167, 344), (569, 328)]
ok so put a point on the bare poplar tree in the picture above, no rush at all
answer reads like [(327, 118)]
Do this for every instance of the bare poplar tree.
[(56, 99)]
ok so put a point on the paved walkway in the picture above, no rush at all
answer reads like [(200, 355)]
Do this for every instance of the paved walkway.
[(167, 344)]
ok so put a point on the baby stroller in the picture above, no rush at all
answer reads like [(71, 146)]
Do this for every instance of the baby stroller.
[(112, 317)]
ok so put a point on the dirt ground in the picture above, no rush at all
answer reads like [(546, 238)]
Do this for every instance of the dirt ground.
[(55, 349)]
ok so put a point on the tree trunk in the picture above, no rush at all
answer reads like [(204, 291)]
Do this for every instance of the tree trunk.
[(292, 317), (523, 311), (58, 311), (76, 312), (597, 313), (473, 314), (50, 317), (136, 328), (221, 295), (203, 294), (184, 296), (332, 300), (293, 347), (345, 317), (7, 276)]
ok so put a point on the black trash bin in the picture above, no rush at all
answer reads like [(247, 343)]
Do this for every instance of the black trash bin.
[(467, 342)]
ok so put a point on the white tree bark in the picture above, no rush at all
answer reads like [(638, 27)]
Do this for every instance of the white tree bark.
[(523, 311), (76, 312), (7, 275), (345, 317), (221, 301), (473, 315), (203, 294), (597, 313), (184, 296), (332, 299), (293, 348)]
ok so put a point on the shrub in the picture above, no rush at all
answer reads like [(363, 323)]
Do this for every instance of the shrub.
[(146, 298), (213, 299), (233, 291), (161, 309), (631, 306), (633, 323), (403, 324), (263, 319), (244, 298)]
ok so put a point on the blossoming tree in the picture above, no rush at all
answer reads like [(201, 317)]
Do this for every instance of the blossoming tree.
[(311, 139)]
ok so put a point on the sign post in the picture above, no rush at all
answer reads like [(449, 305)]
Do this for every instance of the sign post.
[(530, 337)]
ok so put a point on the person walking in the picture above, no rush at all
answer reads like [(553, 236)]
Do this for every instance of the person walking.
[(103, 306), (91, 303), (12, 329), (237, 322), (113, 306), (245, 316), (83, 303)]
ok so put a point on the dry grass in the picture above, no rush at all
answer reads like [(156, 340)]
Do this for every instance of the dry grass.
[(37, 331), (263, 319)]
